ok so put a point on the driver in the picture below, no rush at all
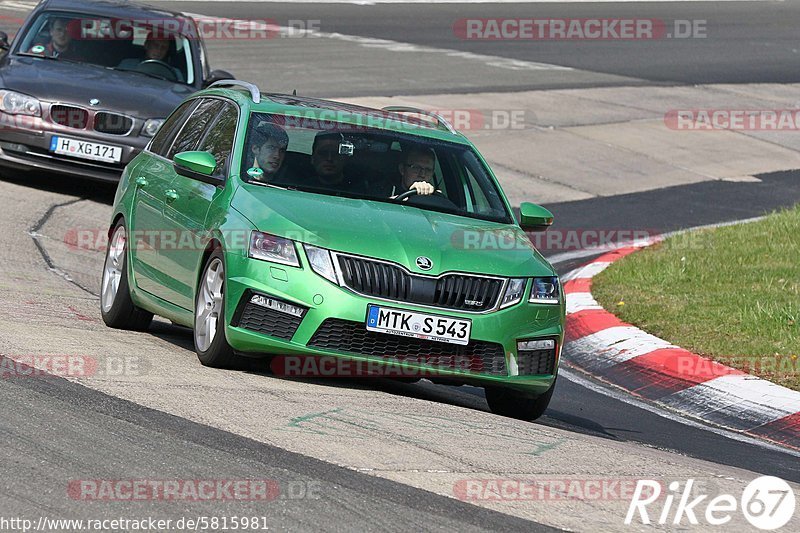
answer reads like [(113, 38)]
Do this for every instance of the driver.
[(416, 171), (155, 49)]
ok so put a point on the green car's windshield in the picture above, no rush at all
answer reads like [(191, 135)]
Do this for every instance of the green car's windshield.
[(116, 44), (366, 163)]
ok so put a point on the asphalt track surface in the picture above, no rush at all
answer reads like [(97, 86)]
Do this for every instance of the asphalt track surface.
[(745, 42), (58, 425)]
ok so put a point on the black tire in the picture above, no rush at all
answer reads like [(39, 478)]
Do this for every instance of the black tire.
[(515, 404), (122, 313), (218, 354)]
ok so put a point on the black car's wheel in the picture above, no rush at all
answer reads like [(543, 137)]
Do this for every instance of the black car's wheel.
[(209, 316), (116, 306), (514, 404)]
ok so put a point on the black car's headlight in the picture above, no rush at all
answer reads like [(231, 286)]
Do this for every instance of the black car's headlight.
[(514, 290), (268, 247), (151, 126), (16, 103), (545, 291), (321, 262)]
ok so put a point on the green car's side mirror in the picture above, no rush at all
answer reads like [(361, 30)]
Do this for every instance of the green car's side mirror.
[(534, 217), (196, 165)]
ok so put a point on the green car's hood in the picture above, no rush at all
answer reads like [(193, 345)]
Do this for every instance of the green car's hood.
[(392, 232)]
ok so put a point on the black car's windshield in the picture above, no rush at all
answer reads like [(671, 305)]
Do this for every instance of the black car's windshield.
[(137, 46), (342, 160)]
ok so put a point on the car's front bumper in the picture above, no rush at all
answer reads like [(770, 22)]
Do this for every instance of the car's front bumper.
[(334, 324), (25, 145)]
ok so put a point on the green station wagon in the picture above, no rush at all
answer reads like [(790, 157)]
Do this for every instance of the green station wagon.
[(278, 225)]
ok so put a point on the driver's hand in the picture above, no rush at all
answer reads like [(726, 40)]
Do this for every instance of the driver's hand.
[(422, 187)]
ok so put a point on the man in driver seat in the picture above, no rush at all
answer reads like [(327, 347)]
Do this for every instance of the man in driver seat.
[(416, 171), (155, 49)]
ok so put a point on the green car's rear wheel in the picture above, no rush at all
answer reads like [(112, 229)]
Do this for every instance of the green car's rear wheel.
[(116, 307), (514, 404), (209, 316)]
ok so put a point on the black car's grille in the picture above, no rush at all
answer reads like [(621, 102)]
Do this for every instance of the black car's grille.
[(265, 320), (69, 116), (112, 123), (353, 337), (536, 362), (451, 291)]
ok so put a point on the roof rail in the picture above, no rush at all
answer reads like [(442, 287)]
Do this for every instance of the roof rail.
[(255, 94), (441, 122)]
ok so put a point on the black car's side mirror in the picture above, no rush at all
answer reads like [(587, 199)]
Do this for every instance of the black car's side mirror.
[(217, 75), (4, 41)]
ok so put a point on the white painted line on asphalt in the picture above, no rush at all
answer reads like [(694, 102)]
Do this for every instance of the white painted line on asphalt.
[(623, 396), (389, 45), (565, 257), (591, 270)]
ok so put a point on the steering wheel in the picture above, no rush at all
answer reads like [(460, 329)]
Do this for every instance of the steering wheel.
[(436, 199), (166, 71), (402, 196)]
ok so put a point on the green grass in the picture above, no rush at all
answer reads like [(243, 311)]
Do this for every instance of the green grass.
[(731, 294)]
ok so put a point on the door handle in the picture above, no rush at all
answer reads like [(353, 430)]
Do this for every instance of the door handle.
[(141, 181), (171, 195)]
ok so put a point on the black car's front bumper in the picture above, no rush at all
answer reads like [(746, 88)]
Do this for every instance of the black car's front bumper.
[(27, 147)]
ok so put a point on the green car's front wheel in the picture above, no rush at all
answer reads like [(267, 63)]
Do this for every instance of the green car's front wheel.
[(513, 404), (116, 307), (209, 316)]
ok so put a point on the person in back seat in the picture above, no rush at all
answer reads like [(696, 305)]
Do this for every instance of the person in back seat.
[(328, 164)]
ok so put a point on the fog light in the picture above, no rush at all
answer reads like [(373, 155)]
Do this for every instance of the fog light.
[(545, 344), (277, 305)]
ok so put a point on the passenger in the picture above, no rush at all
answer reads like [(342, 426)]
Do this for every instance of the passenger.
[(268, 144), (328, 165), (61, 44), (416, 171), (155, 49)]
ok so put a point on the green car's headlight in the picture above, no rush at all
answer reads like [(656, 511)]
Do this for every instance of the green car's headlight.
[(151, 126), (545, 291), (514, 290), (272, 248), (321, 262), (16, 103)]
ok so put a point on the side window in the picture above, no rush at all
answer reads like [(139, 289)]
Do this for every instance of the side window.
[(166, 133), (193, 129), (219, 139)]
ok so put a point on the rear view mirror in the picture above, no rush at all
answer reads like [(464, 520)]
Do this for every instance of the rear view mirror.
[(4, 41), (534, 217)]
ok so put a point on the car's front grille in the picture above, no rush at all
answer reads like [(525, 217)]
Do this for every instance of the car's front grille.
[(352, 337), (69, 116), (112, 123), (265, 320), (536, 362), (451, 291)]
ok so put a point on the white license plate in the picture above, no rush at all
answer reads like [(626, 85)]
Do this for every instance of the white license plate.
[(418, 325), (86, 149)]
